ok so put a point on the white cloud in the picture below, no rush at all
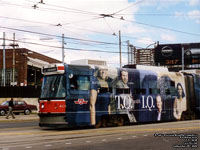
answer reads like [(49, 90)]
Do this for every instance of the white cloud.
[(81, 14), (167, 37), (145, 41), (194, 15), (194, 2)]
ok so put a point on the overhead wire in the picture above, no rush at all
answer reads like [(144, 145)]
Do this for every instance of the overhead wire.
[(67, 48), (57, 36), (155, 26), (131, 5)]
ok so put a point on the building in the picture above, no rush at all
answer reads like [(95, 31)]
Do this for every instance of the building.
[(23, 67), (89, 62), (176, 57), (183, 56)]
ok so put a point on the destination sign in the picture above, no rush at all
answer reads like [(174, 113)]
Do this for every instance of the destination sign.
[(52, 69)]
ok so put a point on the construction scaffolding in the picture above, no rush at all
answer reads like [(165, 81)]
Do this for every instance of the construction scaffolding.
[(141, 56)]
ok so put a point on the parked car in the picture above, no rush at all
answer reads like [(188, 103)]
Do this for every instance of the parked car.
[(19, 107)]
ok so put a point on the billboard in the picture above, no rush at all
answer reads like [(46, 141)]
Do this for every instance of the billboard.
[(171, 54)]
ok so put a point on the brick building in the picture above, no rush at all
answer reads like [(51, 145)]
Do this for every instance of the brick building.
[(24, 68)]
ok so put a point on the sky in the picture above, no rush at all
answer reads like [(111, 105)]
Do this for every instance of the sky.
[(91, 27)]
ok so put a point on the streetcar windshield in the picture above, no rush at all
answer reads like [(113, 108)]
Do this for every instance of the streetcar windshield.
[(79, 82), (54, 86)]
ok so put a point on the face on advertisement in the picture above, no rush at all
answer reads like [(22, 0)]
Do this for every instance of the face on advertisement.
[(159, 103), (180, 90), (124, 76), (103, 74)]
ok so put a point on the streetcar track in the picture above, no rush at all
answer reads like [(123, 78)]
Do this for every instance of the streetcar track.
[(53, 140)]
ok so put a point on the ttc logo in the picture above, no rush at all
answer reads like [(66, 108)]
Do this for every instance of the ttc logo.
[(80, 102)]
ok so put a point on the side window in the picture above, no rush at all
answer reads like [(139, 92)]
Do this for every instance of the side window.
[(78, 82), (20, 103), (167, 91)]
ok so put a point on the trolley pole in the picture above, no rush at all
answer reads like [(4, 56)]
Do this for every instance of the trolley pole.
[(4, 60), (120, 50), (63, 48)]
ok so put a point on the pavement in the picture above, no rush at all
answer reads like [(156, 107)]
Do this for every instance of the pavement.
[(20, 117)]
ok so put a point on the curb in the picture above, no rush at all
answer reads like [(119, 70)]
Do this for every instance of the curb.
[(20, 118)]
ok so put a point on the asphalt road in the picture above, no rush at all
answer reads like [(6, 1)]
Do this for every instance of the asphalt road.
[(166, 136)]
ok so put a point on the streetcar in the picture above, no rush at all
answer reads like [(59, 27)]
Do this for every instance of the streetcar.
[(86, 95)]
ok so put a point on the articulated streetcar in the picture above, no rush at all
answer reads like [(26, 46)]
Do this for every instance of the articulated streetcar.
[(84, 95)]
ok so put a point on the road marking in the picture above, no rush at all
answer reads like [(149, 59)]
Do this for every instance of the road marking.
[(102, 131), (134, 136), (145, 135), (68, 143), (104, 140), (119, 138), (88, 141), (29, 147), (48, 145)]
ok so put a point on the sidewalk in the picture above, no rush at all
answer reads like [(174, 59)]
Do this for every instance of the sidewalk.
[(20, 117)]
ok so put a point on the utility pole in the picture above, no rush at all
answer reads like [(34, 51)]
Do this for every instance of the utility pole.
[(4, 61), (182, 58), (13, 74), (120, 50), (63, 48), (128, 48)]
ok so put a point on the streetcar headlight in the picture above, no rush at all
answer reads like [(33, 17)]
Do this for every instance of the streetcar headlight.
[(42, 106)]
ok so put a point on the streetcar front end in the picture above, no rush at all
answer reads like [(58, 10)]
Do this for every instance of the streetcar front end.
[(52, 104)]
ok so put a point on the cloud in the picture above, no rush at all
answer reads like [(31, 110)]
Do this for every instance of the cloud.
[(71, 15), (145, 41), (191, 15), (167, 37), (194, 2), (194, 15)]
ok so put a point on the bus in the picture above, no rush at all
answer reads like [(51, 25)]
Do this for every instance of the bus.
[(100, 96)]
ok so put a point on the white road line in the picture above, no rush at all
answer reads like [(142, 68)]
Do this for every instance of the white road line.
[(134, 136), (29, 147), (48, 145), (119, 138), (145, 135), (88, 141), (68, 143), (104, 140)]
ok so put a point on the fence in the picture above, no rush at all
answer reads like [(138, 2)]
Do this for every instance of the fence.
[(22, 91)]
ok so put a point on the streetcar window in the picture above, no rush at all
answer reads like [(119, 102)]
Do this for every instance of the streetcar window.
[(172, 83), (167, 91), (122, 90), (150, 91), (79, 83), (143, 91), (54, 87)]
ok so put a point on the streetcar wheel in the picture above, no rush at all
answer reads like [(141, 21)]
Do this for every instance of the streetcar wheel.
[(120, 121), (104, 122), (98, 124)]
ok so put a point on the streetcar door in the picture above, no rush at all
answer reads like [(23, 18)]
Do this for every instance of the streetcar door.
[(77, 101)]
